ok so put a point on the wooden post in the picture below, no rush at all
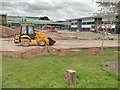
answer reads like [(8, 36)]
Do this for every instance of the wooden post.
[(70, 76)]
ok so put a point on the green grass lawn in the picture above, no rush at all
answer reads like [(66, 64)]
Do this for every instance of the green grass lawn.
[(48, 71)]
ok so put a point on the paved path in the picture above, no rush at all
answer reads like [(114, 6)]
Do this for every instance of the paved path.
[(8, 44), (85, 43)]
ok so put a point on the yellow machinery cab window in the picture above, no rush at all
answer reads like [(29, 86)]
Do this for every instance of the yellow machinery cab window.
[(24, 30), (30, 30)]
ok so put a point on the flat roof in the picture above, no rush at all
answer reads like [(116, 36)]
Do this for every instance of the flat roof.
[(83, 18), (18, 20), (36, 21)]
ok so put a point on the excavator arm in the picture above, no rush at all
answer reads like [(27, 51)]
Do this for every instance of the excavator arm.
[(51, 28), (47, 26), (99, 26)]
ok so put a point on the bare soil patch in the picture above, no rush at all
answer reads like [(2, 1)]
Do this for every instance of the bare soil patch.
[(60, 52), (56, 35), (94, 51), (38, 52), (112, 66)]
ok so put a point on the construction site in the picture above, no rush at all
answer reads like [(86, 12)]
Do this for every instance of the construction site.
[(64, 40), (66, 44), (38, 52)]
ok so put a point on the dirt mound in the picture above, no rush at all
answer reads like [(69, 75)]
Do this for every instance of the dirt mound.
[(12, 54), (112, 66), (6, 32), (94, 51), (28, 53), (60, 52), (39, 52), (56, 35)]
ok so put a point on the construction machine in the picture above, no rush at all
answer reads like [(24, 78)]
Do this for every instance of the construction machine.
[(97, 29), (29, 35), (53, 29)]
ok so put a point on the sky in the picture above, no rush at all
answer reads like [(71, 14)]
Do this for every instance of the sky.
[(54, 9)]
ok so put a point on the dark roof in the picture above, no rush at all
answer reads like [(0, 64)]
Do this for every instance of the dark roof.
[(3, 14)]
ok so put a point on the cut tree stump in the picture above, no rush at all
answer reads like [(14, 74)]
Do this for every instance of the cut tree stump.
[(70, 76)]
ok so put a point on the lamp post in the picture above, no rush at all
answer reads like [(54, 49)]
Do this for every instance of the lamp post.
[(102, 46), (97, 21)]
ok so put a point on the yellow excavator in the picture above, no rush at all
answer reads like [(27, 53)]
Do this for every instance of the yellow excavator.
[(29, 35)]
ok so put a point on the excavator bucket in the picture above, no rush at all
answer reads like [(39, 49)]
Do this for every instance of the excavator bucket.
[(51, 41)]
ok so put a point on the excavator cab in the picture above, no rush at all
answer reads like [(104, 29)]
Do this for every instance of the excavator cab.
[(28, 30)]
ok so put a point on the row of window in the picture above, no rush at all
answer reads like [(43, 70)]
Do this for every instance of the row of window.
[(73, 23), (85, 23), (88, 23)]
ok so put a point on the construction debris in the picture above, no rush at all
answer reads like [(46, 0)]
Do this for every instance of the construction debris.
[(6, 32)]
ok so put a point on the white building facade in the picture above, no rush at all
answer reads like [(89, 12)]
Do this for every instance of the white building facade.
[(84, 24)]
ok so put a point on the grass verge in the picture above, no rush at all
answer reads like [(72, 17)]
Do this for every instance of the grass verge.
[(48, 71)]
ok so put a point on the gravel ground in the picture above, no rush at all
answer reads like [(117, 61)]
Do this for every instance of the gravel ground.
[(10, 46), (65, 40)]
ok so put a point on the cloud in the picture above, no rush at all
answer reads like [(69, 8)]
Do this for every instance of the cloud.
[(55, 9)]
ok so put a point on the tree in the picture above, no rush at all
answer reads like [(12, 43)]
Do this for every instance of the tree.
[(44, 18), (111, 12)]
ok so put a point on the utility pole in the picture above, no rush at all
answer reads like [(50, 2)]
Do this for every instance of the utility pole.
[(102, 46), (97, 21)]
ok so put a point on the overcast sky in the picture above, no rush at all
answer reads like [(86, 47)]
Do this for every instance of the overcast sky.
[(54, 9)]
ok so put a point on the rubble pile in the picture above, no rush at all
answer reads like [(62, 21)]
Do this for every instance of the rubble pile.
[(6, 32)]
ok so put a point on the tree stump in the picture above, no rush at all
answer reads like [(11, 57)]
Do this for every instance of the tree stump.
[(70, 76)]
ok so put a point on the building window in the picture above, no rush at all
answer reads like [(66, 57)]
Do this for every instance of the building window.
[(73, 23), (86, 23)]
